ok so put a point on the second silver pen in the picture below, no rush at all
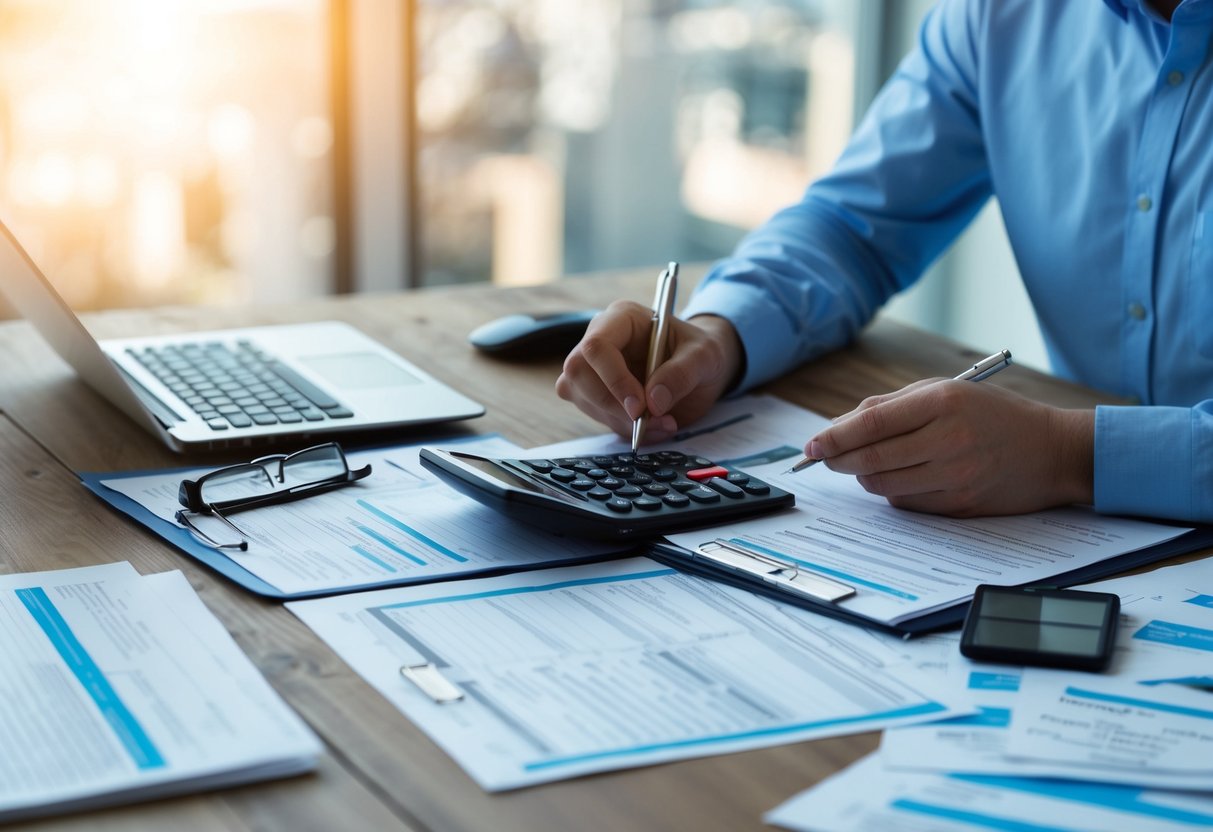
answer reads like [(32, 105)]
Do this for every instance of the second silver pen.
[(981, 370)]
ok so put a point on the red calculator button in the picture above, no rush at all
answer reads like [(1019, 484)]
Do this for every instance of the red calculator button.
[(707, 473)]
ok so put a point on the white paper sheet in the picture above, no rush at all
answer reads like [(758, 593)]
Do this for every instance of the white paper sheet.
[(904, 564), (115, 687), (610, 665), (400, 523), (867, 797), (1092, 723)]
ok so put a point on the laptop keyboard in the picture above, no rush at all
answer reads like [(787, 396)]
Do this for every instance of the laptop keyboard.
[(238, 388)]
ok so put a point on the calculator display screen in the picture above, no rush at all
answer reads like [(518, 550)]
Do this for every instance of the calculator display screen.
[(495, 471), (1040, 623)]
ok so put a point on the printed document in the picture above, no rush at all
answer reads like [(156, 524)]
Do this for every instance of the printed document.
[(1091, 723), (569, 671), (867, 797), (399, 525), (903, 564), (116, 687)]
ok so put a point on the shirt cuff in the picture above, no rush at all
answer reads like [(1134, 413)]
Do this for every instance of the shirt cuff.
[(766, 335), (1143, 461)]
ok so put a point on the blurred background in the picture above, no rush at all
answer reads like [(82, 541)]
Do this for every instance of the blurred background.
[(261, 151)]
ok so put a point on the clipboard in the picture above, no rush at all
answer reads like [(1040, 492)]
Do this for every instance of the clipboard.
[(757, 572)]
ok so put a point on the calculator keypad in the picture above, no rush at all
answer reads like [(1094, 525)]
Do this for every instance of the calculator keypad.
[(668, 481)]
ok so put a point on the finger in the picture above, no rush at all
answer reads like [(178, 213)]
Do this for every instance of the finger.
[(680, 375), (873, 401), (895, 416), (892, 458), (608, 342)]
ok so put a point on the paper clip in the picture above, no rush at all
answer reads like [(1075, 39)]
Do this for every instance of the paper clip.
[(432, 683), (790, 577)]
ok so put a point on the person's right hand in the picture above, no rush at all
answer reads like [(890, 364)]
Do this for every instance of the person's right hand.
[(601, 374)]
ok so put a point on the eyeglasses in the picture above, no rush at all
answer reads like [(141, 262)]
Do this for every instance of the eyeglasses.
[(268, 480)]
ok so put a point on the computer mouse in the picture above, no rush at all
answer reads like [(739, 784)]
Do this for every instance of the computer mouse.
[(532, 336)]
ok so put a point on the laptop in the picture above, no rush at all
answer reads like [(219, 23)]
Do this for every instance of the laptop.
[(238, 387)]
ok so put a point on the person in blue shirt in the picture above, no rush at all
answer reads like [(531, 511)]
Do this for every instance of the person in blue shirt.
[(1090, 120)]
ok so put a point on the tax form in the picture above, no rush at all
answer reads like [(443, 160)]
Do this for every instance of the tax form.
[(399, 525), (562, 672), (868, 797), (116, 687)]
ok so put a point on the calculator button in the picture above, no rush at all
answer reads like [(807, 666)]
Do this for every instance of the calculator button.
[(599, 493), (640, 479), (675, 500), (656, 489), (610, 482), (603, 461), (568, 461), (683, 485), (619, 504), (738, 478), (707, 473), (703, 495), (596, 473), (756, 488), (623, 470), (628, 491), (665, 474), (562, 474), (646, 503), (725, 487), (645, 460), (671, 457), (582, 484), (582, 467), (700, 462)]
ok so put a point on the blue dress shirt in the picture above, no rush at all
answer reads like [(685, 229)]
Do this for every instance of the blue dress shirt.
[(1092, 122)]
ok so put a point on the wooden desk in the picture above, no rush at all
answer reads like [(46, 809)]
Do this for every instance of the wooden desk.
[(380, 772)]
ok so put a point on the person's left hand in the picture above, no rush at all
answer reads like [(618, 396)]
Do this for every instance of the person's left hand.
[(963, 449)]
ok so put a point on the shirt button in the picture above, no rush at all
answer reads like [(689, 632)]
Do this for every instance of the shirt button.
[(1175, 78), (1144, 203), (1136, 311)]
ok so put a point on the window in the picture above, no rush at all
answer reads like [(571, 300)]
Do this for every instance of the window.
[(169, 152)]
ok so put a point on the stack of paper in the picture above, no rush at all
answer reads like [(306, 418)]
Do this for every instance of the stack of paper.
[(116, 687), (1099, 738)]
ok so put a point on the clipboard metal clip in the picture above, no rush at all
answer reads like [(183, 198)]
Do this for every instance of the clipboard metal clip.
[(429, 679), (788, 576)]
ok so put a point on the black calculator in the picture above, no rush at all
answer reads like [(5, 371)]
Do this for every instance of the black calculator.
[(609, 497)]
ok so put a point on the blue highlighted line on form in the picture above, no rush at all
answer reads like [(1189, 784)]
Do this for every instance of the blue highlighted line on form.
[(123, 723), (374, 535), (411, 532), (380, 562), (981, 680), (1181, 635)]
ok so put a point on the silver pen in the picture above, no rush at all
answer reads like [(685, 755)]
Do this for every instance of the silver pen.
[(659, 337), (983, 369)]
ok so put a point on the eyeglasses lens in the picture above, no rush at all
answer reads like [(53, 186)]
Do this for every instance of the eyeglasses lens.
[(237, 483), (313, 465)]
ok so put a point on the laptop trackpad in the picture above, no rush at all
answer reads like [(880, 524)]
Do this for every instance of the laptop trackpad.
[(358, 370)]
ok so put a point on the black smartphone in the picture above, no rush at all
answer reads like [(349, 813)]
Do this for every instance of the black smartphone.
[(1065, 628)]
